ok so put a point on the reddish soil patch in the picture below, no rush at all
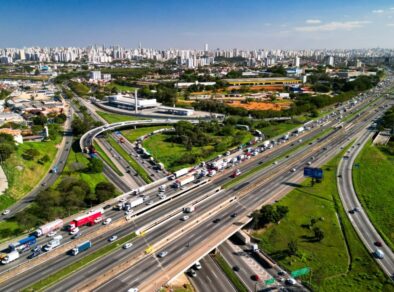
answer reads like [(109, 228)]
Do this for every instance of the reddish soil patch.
[(262, 106)]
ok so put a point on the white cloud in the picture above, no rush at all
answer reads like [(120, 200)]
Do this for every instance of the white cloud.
[(331, 26), (391, 8), (313, 21), (390, 24), (378, 11)]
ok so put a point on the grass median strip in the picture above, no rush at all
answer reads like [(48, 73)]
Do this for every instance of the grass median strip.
[(230, 273), (108, 160), (63, 273), (134, 164)]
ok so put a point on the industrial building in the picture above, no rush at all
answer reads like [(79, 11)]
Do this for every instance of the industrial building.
[(128, 102), (177, 111)]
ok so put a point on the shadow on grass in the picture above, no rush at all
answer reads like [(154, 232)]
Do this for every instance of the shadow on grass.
[(280, 254), (294, 185)]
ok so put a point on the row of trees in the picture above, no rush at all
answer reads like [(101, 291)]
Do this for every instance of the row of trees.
[(7, 146), (269, 214), (70, 196)]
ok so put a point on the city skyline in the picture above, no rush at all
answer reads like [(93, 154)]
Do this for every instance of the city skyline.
[(221, 24)]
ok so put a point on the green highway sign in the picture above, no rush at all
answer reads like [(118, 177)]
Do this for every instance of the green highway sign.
[(269, 281), (300, 272)]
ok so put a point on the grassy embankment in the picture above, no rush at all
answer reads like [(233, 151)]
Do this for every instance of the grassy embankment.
[(374, 183), (170, 153), (133, 134), (134, 164), (121, 88), (339, 262), (105, 157), (117, 118)]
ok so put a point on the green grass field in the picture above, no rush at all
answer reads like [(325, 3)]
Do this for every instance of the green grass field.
[(133, 134), (116, 118), (77, 160), (279, 128), (23, 174), (170, 153), (374, 184), (134, 164), (334, 266), (122, 88)]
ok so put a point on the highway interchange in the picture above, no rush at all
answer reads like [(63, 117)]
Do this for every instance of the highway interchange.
[(145, 268)]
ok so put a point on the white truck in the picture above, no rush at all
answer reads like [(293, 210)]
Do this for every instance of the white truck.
[(180, 172), (266, 143), (211, 172), (9, 257), (51, 226), (300, 130), (133, 203), (55, 242), (183, 181)]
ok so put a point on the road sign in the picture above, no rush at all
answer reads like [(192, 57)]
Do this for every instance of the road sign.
[(269, 281), (300, 272), (313, 172)]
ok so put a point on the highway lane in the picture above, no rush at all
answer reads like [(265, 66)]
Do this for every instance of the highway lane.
[(211, 278), (202, 232), (227, 178), (359, 219)]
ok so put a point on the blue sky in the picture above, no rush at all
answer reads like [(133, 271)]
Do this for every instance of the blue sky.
[(246, 24)]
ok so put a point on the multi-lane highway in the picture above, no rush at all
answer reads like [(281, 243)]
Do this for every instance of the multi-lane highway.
[(157, 234), (359, 217), (197, 236)]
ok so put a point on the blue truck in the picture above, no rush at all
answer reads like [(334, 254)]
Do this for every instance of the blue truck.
[(82, 247), (23, 244)]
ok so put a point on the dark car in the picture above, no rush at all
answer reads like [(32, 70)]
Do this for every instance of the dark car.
[(217, 220), (235, 214), (378, 243), (255, 277), (236, 268), (107, 207)]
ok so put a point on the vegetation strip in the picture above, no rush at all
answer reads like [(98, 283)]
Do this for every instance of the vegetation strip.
[(238, 284), (116, 118), (134, 164), (294, 242), (63, 273), (105, 157)]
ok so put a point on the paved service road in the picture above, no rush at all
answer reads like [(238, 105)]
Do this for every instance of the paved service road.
[(359, 219)]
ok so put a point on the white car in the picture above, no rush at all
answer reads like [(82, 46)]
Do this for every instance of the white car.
[(162, 254), (184, 218), (133, 290), (275, 162), (127, 245), (52, 233), (293, 170), (6, 212), (98, 219), (129, 212), (74, 231), (197, 266), (107, 221), (113, 238)]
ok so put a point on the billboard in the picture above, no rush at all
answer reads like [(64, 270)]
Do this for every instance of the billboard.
[(313, 172)]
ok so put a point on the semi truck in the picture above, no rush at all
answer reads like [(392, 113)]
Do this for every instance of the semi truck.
[(9, 257), (81, 247), (51, 226), (133, 203), (180, 172), (55, 242), (183, 181), (90, 218), (23, 244)]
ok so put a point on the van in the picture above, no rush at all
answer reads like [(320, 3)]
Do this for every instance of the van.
[(255, 247)]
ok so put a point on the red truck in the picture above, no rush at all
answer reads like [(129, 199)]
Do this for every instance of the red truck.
[(121, 140), (90, 218)]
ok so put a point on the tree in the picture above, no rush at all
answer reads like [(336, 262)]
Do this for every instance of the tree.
[(267, 214), (40, 120), (6, 149), (293, 247), (319, 234), (95, 165), (30, 154), (104, 191)]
